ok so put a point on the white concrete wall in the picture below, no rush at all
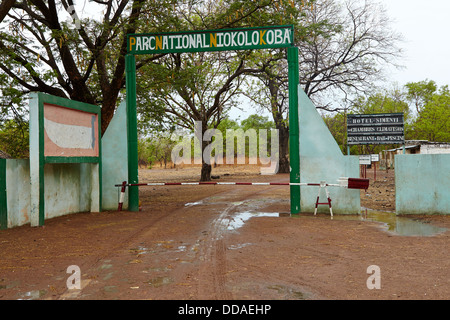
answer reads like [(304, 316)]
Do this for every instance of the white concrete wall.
[(434, 149), (18, 192), (67, 190), (115, 159), (422, 184), (322, 160), (71, 188)]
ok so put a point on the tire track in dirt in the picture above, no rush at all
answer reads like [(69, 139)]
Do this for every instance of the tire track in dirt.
[(213, 269), (212, 255)]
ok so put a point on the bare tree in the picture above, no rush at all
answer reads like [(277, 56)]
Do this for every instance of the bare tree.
[(347, 53), (343, 47)]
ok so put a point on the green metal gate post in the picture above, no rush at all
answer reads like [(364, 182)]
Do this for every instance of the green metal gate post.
[(3, 196), (133, 191), (294, 134)]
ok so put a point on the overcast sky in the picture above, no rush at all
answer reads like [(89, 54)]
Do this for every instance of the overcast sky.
[(425, 26)]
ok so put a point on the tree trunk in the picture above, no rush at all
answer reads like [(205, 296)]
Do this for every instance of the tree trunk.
[(284, 166), (280, 124), (205, 174), (108, 108)]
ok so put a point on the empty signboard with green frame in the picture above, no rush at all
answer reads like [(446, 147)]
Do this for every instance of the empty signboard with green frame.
[(65, 150)]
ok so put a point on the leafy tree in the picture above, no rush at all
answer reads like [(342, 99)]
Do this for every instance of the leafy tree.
[(382, 102), (433, 120), (14, 138), (255, 121), (432, 105), (337, 124), (45, 47), (223, 126), (157, 147), (420, 93)]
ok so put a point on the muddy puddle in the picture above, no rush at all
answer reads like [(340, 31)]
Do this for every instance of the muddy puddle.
[(399, 225), (239, 219), (389, 222), (396, 225), (33, 295)]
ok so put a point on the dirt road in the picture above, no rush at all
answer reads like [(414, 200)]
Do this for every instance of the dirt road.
[(221, 242)]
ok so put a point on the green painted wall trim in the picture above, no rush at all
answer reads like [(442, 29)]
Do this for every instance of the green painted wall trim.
[(72, 159), (133, 174), (3, 197)]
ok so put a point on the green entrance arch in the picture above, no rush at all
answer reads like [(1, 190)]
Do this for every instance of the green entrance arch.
[(213, 40)]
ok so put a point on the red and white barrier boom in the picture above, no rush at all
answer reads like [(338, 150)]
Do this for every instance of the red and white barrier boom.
[(349, 183)]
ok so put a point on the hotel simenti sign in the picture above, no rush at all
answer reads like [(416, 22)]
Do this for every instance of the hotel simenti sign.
[(382, 128)]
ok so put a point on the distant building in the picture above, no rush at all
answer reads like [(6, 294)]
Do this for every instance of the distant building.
[(424, 147), (414, 147)]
